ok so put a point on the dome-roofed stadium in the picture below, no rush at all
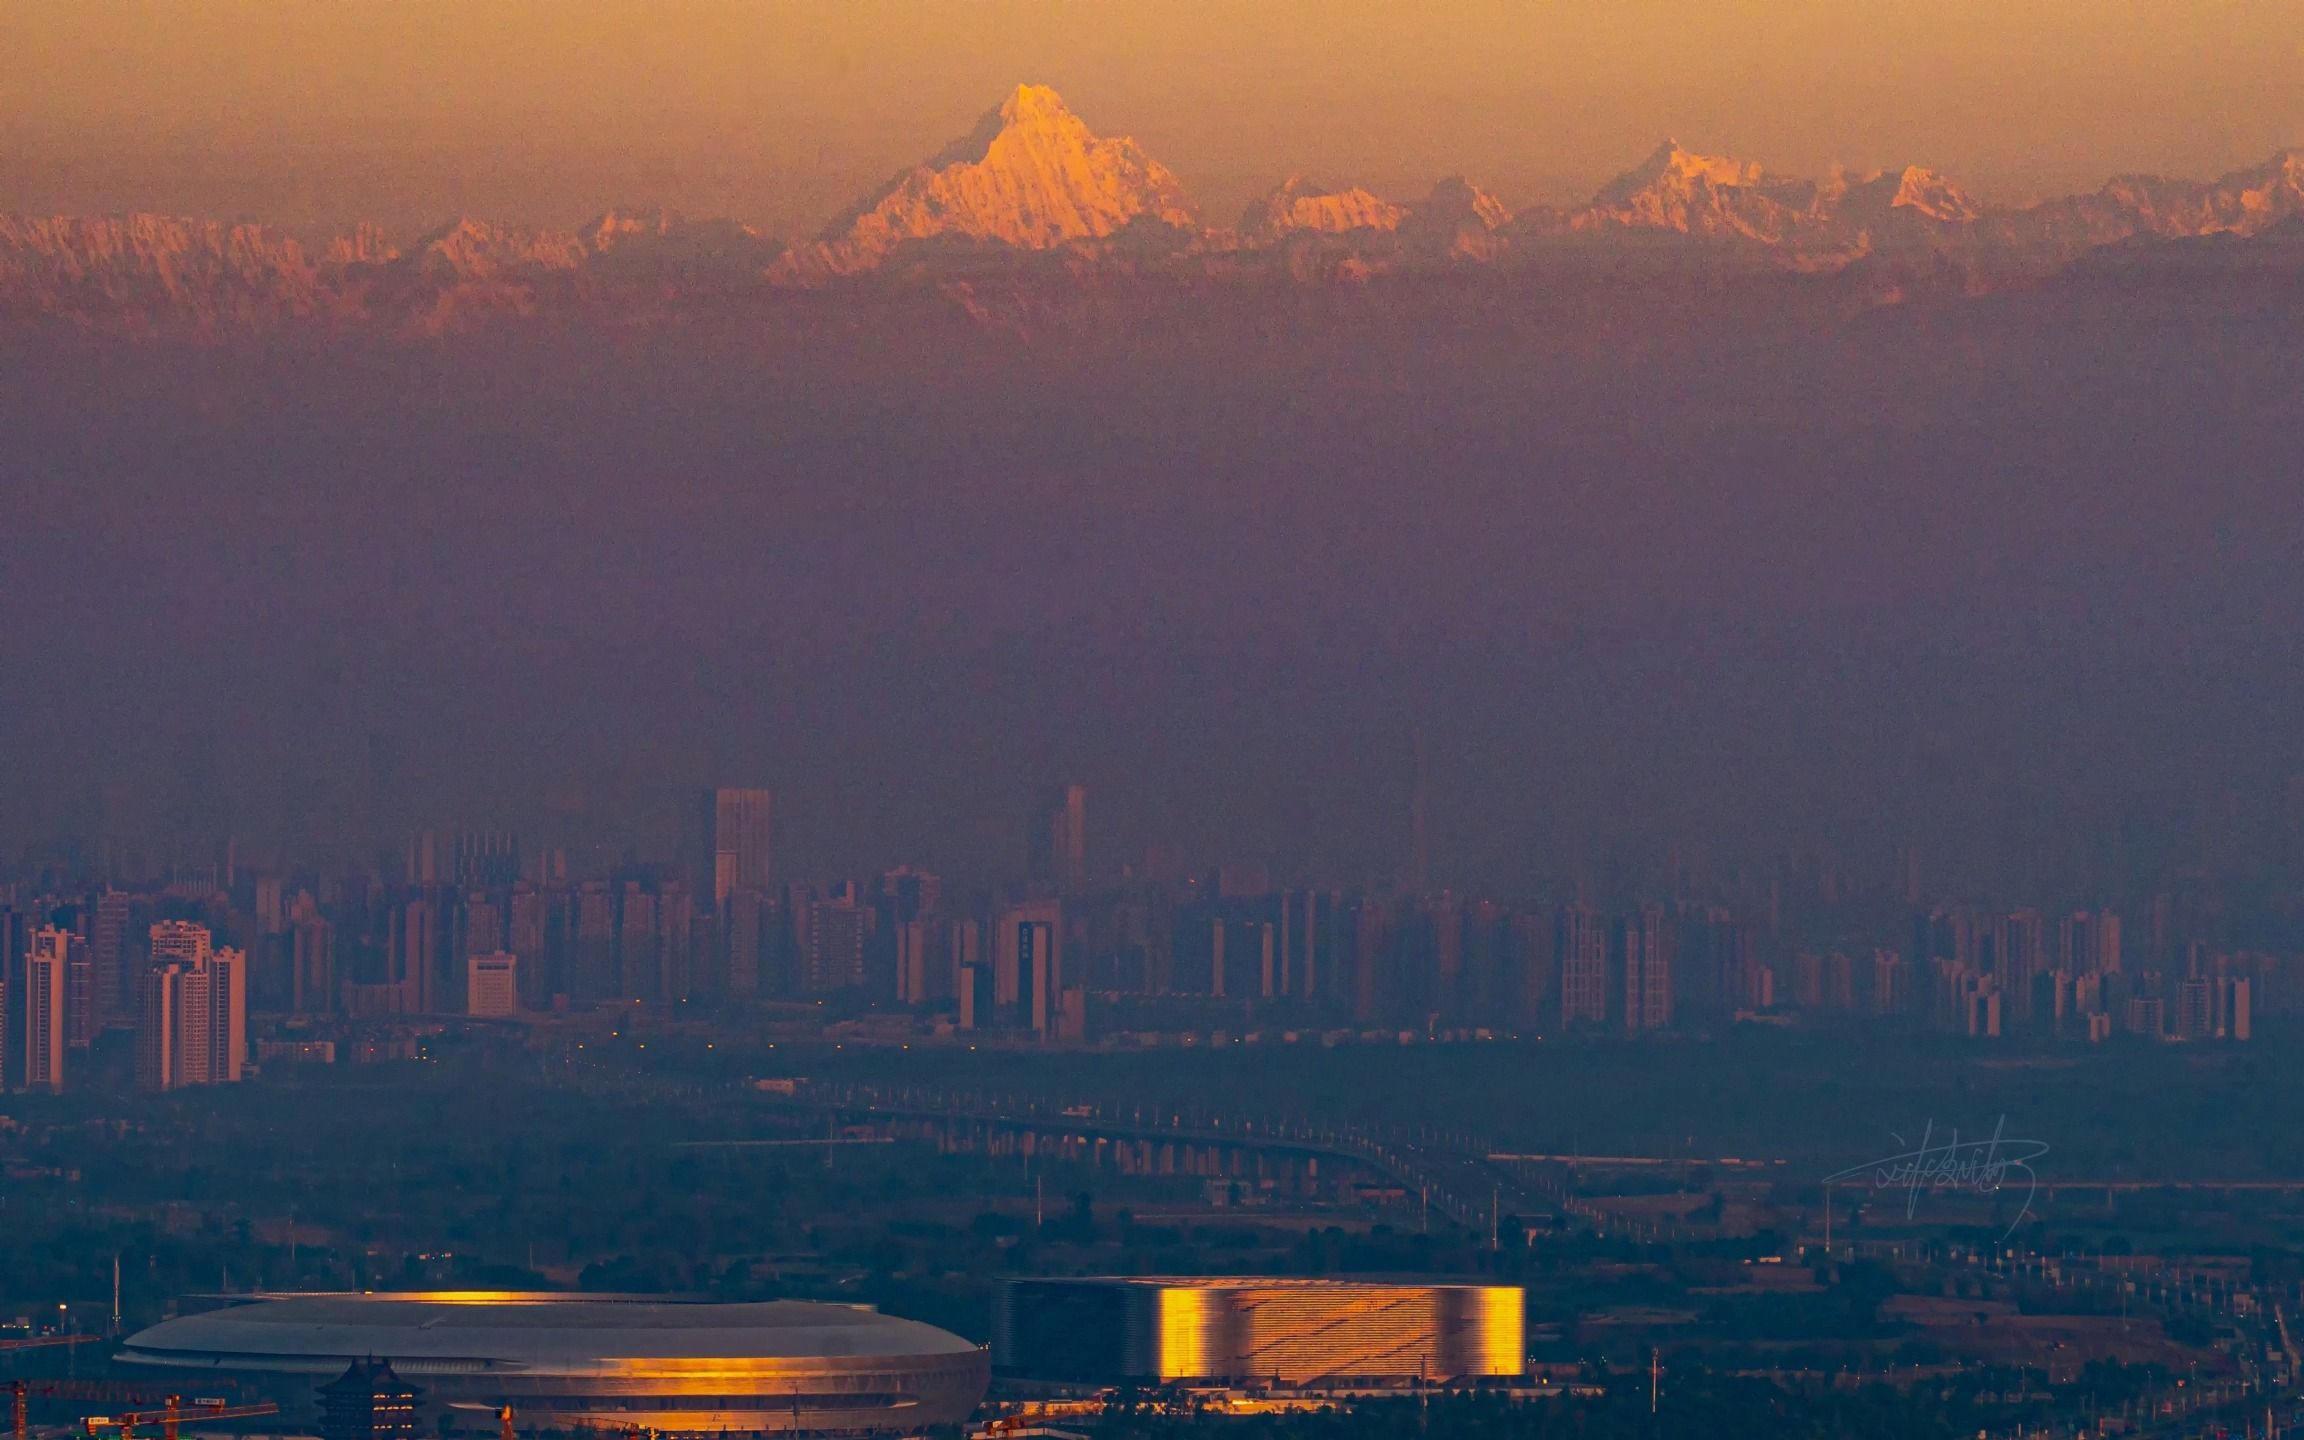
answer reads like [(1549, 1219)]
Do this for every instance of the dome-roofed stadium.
[(589, 1362)]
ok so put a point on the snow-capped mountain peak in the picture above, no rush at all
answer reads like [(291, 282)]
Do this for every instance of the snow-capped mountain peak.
[(1913, 191), (1701, 195), (1921, 189), (1031, 175), (1669, 166), (1300, 204)]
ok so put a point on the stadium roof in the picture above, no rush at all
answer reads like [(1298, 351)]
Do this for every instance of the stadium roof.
[(497, 1331)]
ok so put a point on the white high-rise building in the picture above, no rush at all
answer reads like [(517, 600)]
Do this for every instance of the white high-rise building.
[(159, 1001), (192, 1011), (46, 986), (175, 1026), (492, 985)]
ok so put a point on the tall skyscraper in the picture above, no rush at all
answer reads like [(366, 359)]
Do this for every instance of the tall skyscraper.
[(175, 1026), (1891, 983), (227, 1016), (271, 904), (80, 1019), (2233, 1009), (159, 1000), (1039, 957), (1535, 971), (1948, 933), (744, 923), (915, 965), (1445, 983), (2019, 956), (594, 972), (529, 935), (1580, 941), (638, 960), (1371, 930), (2088, 943), (1028, 961), (415, 955), (2195, 998), (421, 865), (1263, 938), (1312, 926), (833, 958), (1481, 994), (192, 1012), (975, 986), (1058, 840), (734, 846), (108, 942), (482, 928), (964, 952), (1808, 980), (46, 981), (1644, 956), (312, 959), (675, 943), (2106, 934)]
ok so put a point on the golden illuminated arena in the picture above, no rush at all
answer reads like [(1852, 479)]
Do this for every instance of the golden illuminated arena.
[(564, 1362), (1294, 1332)]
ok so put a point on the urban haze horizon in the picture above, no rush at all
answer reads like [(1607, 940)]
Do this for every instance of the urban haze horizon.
[(2031, 852)]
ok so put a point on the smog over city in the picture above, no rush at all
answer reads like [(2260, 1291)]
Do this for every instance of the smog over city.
[(1098, 720)]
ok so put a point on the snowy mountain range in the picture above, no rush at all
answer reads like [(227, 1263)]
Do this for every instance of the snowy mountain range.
[(1031, 188)]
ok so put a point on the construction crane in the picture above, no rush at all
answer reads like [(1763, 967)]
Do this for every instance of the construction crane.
[(174, 1414), (16, 1387), (109, 1392)]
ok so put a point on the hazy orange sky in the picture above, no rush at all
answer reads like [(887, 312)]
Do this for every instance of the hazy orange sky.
[(779, 113)]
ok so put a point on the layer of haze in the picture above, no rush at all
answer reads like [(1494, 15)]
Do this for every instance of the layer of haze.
[(2015, 578), (781, 113)]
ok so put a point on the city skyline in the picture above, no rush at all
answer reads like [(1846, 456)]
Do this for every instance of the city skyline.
[(1061, 952), (717, 838)]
